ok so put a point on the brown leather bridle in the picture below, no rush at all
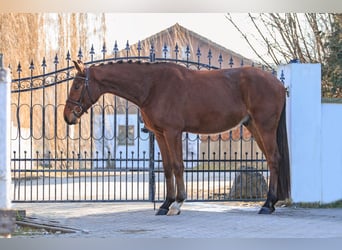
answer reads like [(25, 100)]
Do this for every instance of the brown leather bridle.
[(78, 109)]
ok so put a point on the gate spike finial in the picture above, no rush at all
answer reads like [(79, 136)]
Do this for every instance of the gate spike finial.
[(127, 45), (187, 52), (31, 65), (80, 55), (68, 56), (104, 48), (19, 67), (139, 48), (231, 62), (209, 58), (210, 54), (55, 61), (152, 53), (176, 51), (220, 60), (198, 54), (165, 50), (282, 76), (104, 51), (127, 49), (44, 62), (92, 50), (115, 49)]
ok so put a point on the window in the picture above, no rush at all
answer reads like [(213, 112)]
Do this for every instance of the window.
[(126, 139)]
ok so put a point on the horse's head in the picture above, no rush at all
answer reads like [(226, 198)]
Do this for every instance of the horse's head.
[(81, 96)]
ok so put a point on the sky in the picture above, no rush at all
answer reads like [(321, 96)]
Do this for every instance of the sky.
[(214, 26)]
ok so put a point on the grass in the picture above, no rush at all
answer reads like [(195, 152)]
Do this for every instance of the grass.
[(28, 231), (336, 204)]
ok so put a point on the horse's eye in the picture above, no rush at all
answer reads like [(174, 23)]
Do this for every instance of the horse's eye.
[(77, 86)]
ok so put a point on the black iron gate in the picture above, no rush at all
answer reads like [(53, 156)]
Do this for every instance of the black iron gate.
[(109, 156)]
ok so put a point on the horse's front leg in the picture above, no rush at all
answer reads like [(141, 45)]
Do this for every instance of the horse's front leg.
[(170, 191), (169, 177), (181, 194), (174, 144)]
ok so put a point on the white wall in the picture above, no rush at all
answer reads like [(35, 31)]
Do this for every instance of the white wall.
[(315, 141), (331, 152)]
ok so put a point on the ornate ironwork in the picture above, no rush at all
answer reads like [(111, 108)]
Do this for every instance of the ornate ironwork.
[(88, 162)]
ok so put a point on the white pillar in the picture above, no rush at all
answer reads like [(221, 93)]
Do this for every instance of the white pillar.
[(6, 215), (5, 162), (304, 129)]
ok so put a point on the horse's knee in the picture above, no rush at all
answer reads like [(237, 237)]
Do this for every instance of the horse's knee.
[(178, 168)]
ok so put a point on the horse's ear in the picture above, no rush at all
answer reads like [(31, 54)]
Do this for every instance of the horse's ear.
[(79, 66)]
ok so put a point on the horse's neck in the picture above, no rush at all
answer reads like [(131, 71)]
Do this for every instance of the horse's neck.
[(132, 83)]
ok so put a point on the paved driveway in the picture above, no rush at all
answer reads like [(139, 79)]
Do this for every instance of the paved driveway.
[(197, 220)]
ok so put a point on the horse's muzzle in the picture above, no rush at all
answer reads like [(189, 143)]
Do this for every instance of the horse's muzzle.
[(71, 119)]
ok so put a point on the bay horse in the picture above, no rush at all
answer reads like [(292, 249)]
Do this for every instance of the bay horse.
[(174, 99)]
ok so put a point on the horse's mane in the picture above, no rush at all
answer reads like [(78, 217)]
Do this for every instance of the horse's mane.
[(135, 62), (127, 62)]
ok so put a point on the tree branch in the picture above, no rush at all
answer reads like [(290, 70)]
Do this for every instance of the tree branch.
[(229, 18)]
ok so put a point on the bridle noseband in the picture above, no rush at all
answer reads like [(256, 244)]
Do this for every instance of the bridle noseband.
[(78, 109)]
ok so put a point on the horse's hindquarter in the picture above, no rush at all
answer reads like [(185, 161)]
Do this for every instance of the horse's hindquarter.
[(263, 93)]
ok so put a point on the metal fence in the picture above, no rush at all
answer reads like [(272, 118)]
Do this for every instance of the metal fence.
[(109, 156)]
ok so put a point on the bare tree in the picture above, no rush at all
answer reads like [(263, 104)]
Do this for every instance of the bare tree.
[(306, 37), (288, 36), (27, 37)]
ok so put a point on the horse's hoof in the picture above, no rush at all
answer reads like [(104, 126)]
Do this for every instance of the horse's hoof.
[(162, 211), (175, 208), (173, 212), (266, 210)]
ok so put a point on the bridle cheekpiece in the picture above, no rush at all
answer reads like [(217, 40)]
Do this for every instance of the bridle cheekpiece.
[(78, 109)]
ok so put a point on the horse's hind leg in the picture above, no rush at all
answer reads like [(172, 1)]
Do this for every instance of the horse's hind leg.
[(267, 141), (169, 177), (273, 157)]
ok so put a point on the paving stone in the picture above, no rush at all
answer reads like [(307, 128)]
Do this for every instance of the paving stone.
[(197, 220)]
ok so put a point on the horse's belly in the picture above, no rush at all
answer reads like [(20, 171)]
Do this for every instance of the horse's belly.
[(214, 123)]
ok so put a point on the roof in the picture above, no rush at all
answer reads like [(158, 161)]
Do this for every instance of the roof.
[(183, 37)]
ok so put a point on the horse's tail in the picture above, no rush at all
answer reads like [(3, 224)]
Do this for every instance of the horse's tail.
[(284, 185)]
